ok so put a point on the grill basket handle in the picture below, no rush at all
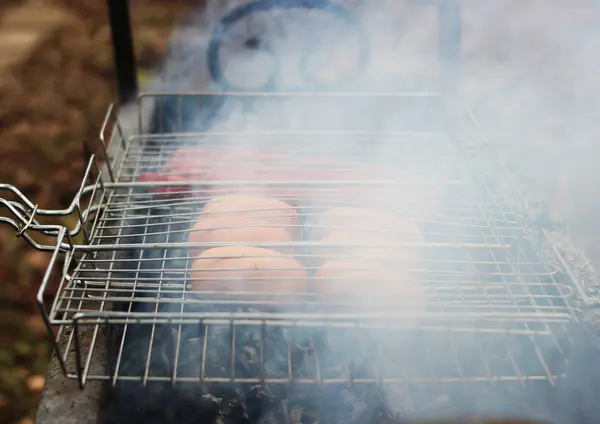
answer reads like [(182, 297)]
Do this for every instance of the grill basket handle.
[(24, 215)]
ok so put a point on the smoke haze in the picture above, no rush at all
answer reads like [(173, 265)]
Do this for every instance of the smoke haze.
[(528, 69)]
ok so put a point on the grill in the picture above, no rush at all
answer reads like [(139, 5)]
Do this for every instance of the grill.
[(498, 325), (498, 308)]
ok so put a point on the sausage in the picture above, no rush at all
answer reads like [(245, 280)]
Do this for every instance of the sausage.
[(339, 244), (207, 164), (289, 195), (195, 164), (248, 269), (363, 220), (238, 230), (365, 281), (365, 244), (200, 164), (273, 211)]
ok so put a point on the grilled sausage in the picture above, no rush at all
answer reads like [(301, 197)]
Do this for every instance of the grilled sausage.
[(226, 230), (265, 209), (362, 281), (359, 244), (248, 269), (364, 220)]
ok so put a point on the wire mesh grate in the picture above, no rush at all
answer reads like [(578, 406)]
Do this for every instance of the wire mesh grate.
[(486, 291), (489, 309)]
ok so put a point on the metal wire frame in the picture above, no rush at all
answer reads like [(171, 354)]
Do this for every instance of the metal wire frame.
[(25, 214), (470, 305), (502, 355), (493, 295)]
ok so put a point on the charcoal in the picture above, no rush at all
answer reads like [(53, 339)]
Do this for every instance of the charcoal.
[(271, 418), (265, 352), (211, 402), (258, 400), (295, 416), (246, 362), (234, 411)]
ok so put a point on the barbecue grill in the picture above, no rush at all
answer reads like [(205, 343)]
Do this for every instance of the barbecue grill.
[(501, 328)]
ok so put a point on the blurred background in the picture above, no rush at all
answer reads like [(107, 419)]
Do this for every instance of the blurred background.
[(57, 79), (53, 95)]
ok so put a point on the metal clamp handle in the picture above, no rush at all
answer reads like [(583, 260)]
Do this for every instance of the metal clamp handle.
[(24, 214)]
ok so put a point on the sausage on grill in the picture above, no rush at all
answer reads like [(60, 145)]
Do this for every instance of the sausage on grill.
[(192, 164), (364, 220), (361, 281), (363, 244), (273, 211), (226, 230), (248, 269)]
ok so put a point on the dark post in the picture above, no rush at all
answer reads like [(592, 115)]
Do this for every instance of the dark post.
[(449, 41), (124, 57)]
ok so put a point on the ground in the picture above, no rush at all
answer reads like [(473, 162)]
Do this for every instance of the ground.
[(51, 104)]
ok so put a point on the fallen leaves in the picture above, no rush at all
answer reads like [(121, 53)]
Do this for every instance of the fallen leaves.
[(47, 108), (36, 325), (35, 383), (37, 260)]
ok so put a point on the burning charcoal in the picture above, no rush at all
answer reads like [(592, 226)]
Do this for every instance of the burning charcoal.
[(217, 371), (282, 362), (360, 368), (161, 352), (252, 354), (303, 359), (295, 416), (234, 412), (218, 354), (258, 392), (257, 401), (310, 417), (248, 359), (339, 403), (335, 371), (358, 406), (247, 362), (358, 410), (189, 359), (305, 398), (272, 368), (275, 354), (211, 402), (270, 418), (160, 364), (376, 414), (135, 351)]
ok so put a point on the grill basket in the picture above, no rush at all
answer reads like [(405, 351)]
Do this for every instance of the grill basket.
[(499, 302)]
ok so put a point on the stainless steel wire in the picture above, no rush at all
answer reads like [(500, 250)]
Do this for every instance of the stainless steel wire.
[(485, 290)]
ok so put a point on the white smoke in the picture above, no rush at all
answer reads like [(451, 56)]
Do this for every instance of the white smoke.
[(528, 67)]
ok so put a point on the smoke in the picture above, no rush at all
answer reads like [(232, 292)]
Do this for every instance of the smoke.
[(527, 69), (530, 75)]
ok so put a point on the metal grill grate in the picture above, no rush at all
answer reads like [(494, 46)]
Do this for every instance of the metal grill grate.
[(492, 309)]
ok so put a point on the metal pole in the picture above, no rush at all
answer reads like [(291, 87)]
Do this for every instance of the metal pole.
[(124, 57)]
